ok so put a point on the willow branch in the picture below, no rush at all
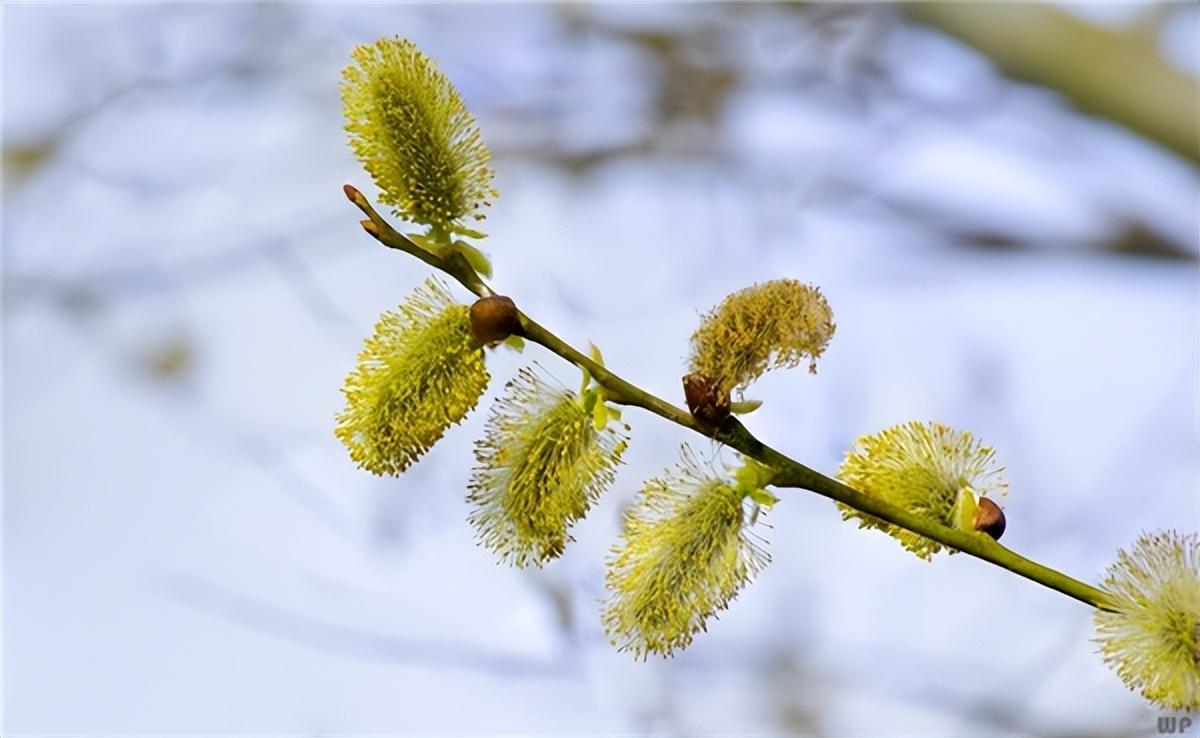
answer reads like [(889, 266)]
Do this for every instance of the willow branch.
[(787, 471), (1117, 74)]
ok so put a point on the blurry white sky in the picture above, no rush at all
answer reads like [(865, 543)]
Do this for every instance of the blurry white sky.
[(187, 548)]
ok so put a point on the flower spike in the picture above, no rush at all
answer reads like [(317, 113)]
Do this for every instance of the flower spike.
[(410, 129), (541, 466), (419, 374), (768, 326), (927, 468), (1152, 636), (687, 550)]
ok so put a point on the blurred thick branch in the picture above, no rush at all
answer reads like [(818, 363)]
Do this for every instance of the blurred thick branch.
[(1117, 74)]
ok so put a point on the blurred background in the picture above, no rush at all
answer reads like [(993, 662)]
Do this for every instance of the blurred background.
[(1000, 202)]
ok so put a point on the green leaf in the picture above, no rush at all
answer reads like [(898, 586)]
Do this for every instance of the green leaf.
[(763, 497), (752, 475), (600, 415), (963, 512), (596, 355), (587, 379), (476, 258), (587, 400), (426, 242), (516, 343), (462, 230), (744, 407)]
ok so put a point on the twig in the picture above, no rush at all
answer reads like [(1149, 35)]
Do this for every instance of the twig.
[(787, 471)]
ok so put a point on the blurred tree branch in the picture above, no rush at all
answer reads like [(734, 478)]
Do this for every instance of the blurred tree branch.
[(1117, 74)]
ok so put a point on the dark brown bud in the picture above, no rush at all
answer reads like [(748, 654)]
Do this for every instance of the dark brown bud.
[(989, 518), (370, 227), (494, 318), (706, 401)]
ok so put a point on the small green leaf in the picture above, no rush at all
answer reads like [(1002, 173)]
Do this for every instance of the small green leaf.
[(468, 232), (516, 343), (963, 513), (600, 415), (763, 497), (476, 258), (587, 379), (587, 400), (596, 355), (426, 242), (744, 407), (752, 475)]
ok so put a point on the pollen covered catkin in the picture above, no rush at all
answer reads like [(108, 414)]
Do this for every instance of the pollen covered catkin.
[(410, 129), (921, 467), (686, 551), (772, 325), (421, 372), (541, 465), (1152, 636)]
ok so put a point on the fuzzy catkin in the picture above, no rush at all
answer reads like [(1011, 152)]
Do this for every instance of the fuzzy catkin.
[(920, 467), (686, 552), (410, 129), (772, 325), (1152, 639), (540, 466), (421, 372)]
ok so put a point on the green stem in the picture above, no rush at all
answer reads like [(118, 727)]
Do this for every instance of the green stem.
[(788, 472)]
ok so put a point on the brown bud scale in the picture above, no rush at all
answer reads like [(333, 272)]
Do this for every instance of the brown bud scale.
[(494, 318), (989, 518), (705, 400)]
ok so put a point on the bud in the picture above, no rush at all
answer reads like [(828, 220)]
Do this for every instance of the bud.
[(410, 129), (419, 374), (686, 551), (923, 468), (768, 326), (541, 465), (494, 319), (989, 518), (1152, 636), (705, 400)]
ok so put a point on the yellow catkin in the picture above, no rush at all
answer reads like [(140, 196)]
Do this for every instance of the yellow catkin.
[(419, 374), (1152, 640), (686, 551), (410, 129), (541, 465), (920, 467), (775, 324)]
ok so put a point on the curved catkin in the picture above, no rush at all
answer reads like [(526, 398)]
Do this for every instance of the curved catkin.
[(541, 465), (419, 374), (920, 467), (1152, 639), (686, 552), (775, 324), (410, 129)]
